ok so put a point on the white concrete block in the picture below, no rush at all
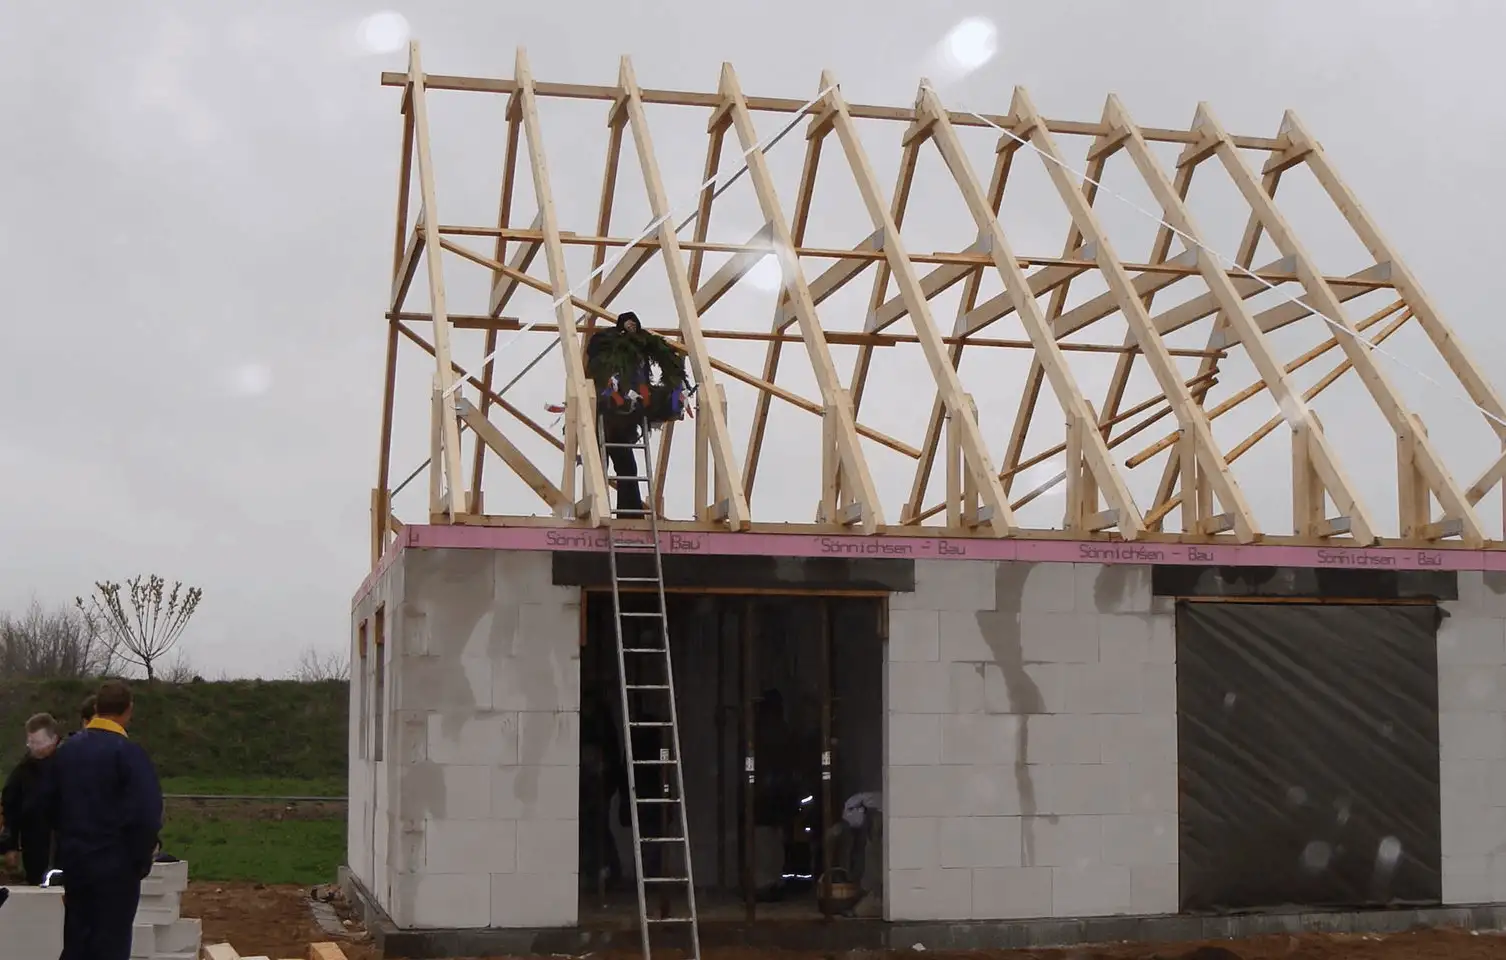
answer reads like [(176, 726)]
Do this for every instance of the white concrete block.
[(1137, 737), (914, 635), (967, 688), (930, 894), (1136, 839), (1497, 870), (470, 846), (914, 842), (442, 900), (919, 687), (955, 584), (1049, 588), (534, 900), (1124, 639), (1030, 688), (1093, 891), (454, 684), (1471, 736), (963, 638), (549, 739), (1147, 787), (980, 842), (1082, 788), (1061, 738), (31, 924), (1048, 841), (1011, 893), (1469, 688), (1158, 688), (1471, 641), (980, 738), (925, 791), (995, 790), (1467, 880), (536, 793), (1163, 637), (173, 877), (430, 791), (1481, 593), (1497, 786), (1103, 688), (1059, 637), (184, 935), (1112, 588), (143, 941), (914, 739), (524, 574), (548, 846), (1467, 782), (1155, 888), (485, 739), (1466, 830), (541, 680)]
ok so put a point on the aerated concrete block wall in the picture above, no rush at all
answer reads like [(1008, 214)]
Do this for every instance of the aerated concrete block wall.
[(478, 795), (1472, 740), (1032, 743)]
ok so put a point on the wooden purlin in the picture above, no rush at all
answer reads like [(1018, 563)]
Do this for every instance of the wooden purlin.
[(580, 433), (848, 450), (724, 461), (446, 477), (976, 500)]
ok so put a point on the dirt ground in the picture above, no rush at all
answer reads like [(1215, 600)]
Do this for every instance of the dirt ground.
[(275, 921)]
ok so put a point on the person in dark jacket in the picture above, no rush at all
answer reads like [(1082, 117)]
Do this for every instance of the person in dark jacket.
[(25, 833), (625, 426), (103, 798)]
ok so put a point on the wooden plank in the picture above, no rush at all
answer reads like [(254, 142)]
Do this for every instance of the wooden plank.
[(453, 496), (684, 299), (1001, 518), (512, 456), (218, 951), (1194, 424), (1321, 296), (1093, 448), (580, 434), (379, 521), (837, 405), (1321, 455), (325, 951)]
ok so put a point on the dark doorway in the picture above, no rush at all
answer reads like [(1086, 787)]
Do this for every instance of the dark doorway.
[(1308, 743), (791, 685)]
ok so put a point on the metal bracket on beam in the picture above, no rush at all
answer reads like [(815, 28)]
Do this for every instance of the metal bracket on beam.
[(1442, 530), (1218, 523), (1334, 526), (851, 514), (721, 510), (1103, 520)]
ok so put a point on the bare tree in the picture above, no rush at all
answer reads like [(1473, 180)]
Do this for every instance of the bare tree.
[(316, 667), (181, 670), (65, 642), (146, 632)]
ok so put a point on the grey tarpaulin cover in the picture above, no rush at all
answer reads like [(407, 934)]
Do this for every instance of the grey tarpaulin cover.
[(1308, 743)]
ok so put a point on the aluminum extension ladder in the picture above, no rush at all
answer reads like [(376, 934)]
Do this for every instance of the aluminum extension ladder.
[(648, 697)]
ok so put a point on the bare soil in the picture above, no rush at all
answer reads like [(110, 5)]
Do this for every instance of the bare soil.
[(275, 921)]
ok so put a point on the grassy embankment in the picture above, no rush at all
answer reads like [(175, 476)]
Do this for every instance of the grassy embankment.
[(238, 738)]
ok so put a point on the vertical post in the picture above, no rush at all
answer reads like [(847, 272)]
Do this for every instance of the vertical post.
[(750, 893), (436, 450), (702, 455), (826, 745), (969, 481), (1072, 518), (831, 467), (954, 471), (1192, 516), (1411, 486)]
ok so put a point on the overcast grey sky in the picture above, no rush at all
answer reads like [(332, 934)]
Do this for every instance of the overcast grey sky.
[(198, 220)]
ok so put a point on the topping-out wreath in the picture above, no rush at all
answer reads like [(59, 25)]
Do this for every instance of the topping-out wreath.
[(638, 373)]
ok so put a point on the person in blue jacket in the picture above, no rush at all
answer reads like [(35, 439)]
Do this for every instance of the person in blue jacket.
[(104, 801)]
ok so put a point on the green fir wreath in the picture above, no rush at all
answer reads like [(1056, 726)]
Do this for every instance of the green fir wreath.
[(624, 355)]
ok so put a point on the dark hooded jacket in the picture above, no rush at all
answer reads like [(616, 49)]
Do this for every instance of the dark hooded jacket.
[(24, 828)]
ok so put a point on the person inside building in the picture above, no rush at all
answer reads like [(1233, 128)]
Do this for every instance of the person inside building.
[(26, 836), (776, 802), (603, 776), (102, 797), (621, 360), (853, 836)]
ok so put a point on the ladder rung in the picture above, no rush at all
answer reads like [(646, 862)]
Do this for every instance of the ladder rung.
[(670, 919), (625, 446), (648, 686), (654, 763), (631, 479), (644, 650), (635, 545), (666, 879), (649, 723), (652, 613), (662, 840), (637, 579), (658, 799)]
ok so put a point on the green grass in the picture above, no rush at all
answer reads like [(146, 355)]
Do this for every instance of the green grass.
[(213, 786), (229, 848)]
